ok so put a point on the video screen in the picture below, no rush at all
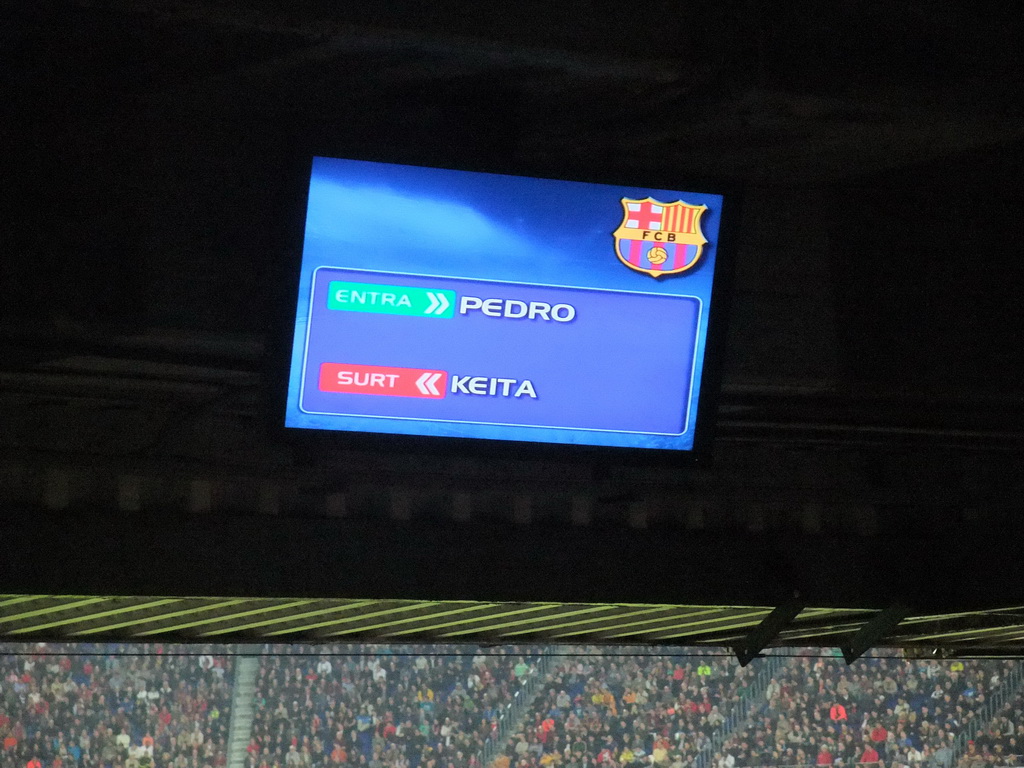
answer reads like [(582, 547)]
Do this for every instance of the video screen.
[(456, 304)]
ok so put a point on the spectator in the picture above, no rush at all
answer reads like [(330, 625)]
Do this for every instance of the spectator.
[(878, 734)]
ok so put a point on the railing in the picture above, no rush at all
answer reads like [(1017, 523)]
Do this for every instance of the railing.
[(751, 702), (1009, 688), (512, 712), (1003, 761)]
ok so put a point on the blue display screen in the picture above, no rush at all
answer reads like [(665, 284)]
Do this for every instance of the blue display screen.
[(448, 303)]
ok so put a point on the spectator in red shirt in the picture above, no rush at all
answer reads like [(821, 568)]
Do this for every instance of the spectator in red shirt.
[(837, 712), (824, 756), (34, 763), (870, 755), (879, 734), (678, 675)]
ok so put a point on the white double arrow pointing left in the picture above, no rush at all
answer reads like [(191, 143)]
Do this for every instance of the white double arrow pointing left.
[(438, 303), (427, 383)]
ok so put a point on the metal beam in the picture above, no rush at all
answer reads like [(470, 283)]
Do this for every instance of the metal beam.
[(878, 628), (83, 618), (335, 622), (760, 636), (146, 621), (291, 617)]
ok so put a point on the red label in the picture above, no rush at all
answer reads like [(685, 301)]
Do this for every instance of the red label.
[(382, 380)]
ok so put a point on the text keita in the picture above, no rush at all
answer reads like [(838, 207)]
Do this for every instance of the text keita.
[(486, 385)]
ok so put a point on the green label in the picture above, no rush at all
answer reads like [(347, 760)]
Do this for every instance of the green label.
[(390, 299)]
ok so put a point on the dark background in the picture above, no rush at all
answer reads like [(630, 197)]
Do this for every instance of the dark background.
[(869, 431)]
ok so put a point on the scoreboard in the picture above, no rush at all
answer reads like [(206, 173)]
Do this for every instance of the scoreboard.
[(454, 304)]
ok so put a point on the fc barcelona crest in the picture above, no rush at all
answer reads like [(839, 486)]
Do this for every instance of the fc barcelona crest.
[(659, 238)]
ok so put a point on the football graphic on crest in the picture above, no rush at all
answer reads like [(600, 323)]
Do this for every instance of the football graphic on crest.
[(657, 255)]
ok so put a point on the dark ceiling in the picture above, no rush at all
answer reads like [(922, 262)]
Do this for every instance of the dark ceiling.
[(158, 148), (153, 185)]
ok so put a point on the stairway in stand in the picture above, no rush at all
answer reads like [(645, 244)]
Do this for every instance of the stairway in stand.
[(242, 705)]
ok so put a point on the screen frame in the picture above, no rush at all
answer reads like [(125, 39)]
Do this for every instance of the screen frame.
[(287, 269)]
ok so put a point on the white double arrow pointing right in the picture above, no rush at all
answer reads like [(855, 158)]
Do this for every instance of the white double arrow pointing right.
[(427, 383), (438, 303)]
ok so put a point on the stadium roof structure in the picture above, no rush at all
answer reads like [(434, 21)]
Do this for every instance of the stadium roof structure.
[(94, 618), (203, 579)]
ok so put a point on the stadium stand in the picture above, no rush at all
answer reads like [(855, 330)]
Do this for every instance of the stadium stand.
[(78, 707), (885, 711), (373, 707), (436, 707), (1001, 741), (618, 711)]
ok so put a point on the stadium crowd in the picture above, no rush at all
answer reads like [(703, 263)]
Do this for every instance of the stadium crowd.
[(618, 711), (877, 711), (1001, 741), (432, 707), (626, 713), (373, 707), (65, 706)]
